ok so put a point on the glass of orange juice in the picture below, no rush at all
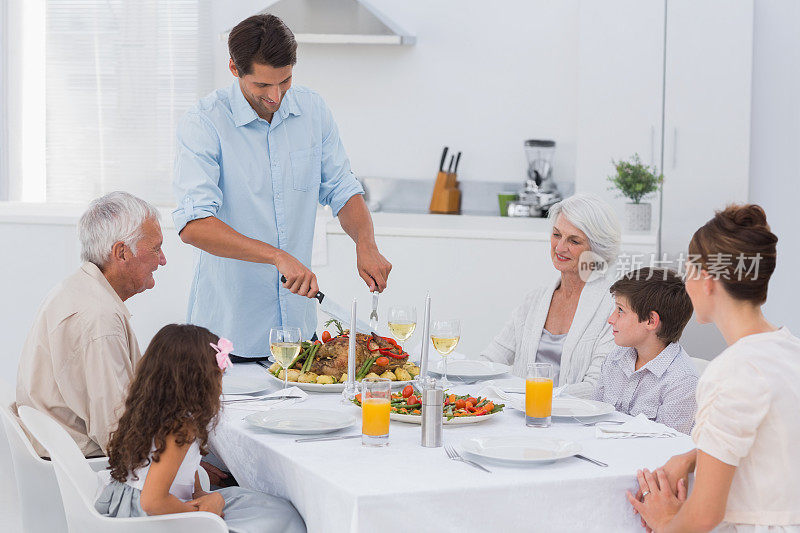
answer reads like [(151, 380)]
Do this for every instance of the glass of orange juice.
[(376, 397), (539, 395)]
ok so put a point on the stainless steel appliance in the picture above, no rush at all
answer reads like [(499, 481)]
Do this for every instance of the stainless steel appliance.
[(539, 192)]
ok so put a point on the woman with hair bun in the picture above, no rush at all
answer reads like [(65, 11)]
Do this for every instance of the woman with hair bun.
[(747, 428)]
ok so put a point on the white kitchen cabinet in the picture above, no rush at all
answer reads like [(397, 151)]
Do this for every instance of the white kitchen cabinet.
[(700, 76), (621, 49), (708, 88), (703, 82)]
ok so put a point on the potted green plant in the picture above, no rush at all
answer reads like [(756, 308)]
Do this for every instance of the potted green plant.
[(636, 181)]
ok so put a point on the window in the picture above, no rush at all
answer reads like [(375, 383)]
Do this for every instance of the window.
[(101, 114)]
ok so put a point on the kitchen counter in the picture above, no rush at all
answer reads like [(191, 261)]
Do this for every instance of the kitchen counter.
[(386, 224), (471, 227)]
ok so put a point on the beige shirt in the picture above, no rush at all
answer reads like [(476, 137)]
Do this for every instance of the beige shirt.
[(585, 347), (747, 416), (78, 359)]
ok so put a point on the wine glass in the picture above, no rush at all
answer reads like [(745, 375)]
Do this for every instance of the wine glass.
[(445, 335), (284, 343), (402, 321)]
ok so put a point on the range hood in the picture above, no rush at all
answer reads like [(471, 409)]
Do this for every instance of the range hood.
[(338, 22)]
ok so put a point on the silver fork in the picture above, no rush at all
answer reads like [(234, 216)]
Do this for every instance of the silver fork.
[(373, 316), (453, 454)]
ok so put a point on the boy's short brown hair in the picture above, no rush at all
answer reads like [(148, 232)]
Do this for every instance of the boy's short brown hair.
[(660, 290)]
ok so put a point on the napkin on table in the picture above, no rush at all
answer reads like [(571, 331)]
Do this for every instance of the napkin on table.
[(258, 404), (639, 426)]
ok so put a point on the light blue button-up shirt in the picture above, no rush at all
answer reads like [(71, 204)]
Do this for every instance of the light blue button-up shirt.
[(264, 180)]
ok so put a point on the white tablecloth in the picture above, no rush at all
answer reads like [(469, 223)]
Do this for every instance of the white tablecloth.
[(342, 486)]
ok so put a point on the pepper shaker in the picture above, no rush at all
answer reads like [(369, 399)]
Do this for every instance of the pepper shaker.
[(432, 405)]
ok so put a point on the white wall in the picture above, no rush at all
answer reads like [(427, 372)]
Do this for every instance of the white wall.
[(42, 254), (775, 138), (482, 78)]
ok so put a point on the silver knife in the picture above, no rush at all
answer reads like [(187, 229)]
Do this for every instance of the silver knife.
[(262, 399), (334, 310), (595, 461), (317, 439)]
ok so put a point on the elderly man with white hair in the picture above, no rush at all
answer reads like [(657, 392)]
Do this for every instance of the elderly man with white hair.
[(564, 322), (81, 352)]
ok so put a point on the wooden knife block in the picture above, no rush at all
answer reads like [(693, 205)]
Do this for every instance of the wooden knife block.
[(446, 198)]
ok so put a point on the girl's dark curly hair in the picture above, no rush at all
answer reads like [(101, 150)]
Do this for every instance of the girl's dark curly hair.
[(175, 390)]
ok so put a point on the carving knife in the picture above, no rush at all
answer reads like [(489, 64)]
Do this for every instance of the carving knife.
[(334, 310)]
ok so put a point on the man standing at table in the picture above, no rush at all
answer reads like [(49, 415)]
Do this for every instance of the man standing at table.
[(253, 161)]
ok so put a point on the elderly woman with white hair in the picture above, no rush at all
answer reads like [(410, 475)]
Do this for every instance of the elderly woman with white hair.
[(81, 352), (564, 321)]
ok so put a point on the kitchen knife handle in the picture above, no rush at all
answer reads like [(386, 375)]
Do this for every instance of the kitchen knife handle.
[(450, 166), (319, 296), (455, 168), (444, 157)]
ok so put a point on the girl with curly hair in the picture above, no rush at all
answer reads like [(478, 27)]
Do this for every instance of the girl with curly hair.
[(155, 452)]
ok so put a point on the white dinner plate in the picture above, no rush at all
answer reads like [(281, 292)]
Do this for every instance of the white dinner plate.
[(567, 406), (455, 421), (471, 369), (318, 387), (245, 379), (520, 450), (301, 421)]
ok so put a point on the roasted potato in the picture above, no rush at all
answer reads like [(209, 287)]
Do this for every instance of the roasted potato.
[(343, 378), (402, 374), (389, 375), (307, 377), (412, 369), (371, 375), (274, 368), (326, 380)]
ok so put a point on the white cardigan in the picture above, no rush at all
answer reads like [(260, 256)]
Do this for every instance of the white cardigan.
[(588, 341)]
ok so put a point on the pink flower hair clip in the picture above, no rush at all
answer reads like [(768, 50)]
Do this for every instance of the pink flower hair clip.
[(224, 347)]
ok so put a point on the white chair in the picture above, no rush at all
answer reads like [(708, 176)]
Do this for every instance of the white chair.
[(699, 365), (35, 477), (10, 519), (78, 485)]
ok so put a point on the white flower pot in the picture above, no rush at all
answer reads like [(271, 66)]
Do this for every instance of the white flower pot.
[(637, 217)]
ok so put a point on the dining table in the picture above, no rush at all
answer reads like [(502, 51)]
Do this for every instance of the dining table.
[(343, 486)]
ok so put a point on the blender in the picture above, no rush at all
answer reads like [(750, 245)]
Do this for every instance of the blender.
[(539, 192)]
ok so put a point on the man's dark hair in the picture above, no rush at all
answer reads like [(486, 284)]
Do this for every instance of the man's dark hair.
[(660, 290), (262, 39)]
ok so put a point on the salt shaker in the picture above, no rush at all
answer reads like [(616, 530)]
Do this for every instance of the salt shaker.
[(432, 405)]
